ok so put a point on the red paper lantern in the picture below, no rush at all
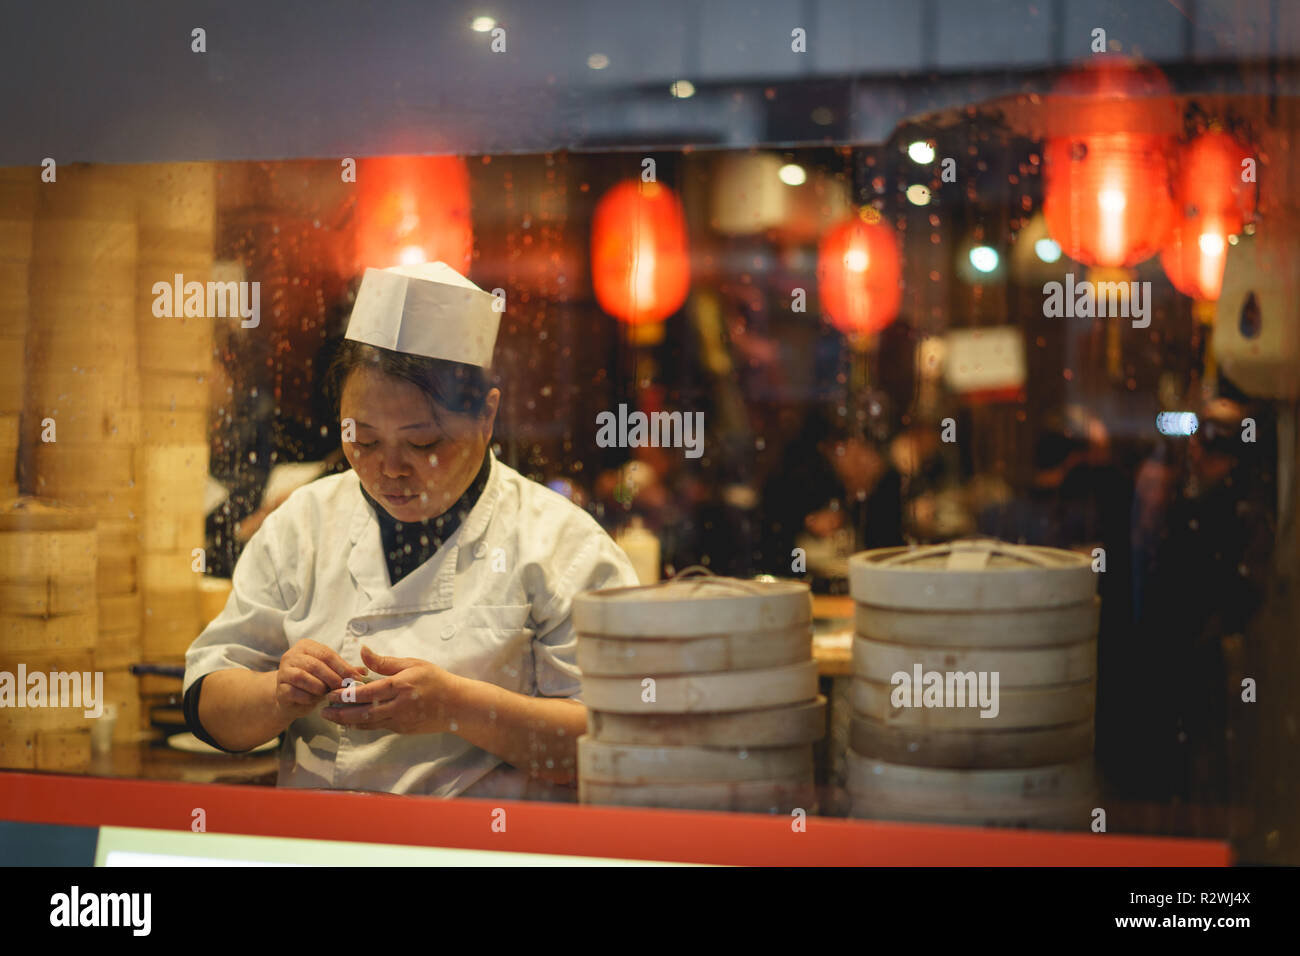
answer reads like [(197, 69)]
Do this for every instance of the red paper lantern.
[(1213, 204), (413, 209), (640, 269), (1111, 131), (858, 269)]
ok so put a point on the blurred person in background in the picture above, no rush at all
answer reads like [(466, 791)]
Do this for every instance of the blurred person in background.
[(1203, 534)]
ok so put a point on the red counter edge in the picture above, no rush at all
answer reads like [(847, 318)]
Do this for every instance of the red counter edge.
[(571, 829)]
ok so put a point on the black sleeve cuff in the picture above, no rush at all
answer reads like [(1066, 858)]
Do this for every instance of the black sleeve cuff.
[(191, 708)]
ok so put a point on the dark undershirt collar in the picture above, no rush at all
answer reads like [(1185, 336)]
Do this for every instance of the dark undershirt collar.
[(408, 544)]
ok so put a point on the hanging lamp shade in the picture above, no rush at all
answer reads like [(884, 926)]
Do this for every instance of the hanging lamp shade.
[(1213, 204), (640, 268), (413, 209), (1111, 133), (858, 269)]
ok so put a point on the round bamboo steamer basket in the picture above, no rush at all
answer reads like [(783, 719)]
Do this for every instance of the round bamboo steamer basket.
[(182, 426), (175, 390), (48, 558), (121, 631), (1046, 706), (877, 661), (174, 477), (748, 796), (214, 592), (177, 208), (122, 689), (1064, 816), (18, 185), (86, 404), (693, 607), (926, 789), (40, 635), (633, 765), (184, 344), (8, 449), (88, 345), (176, 236), (613, 657), (167, 571), (1071, 624), (976, 575), (15, 297), (13, 368), (168, 533), (21, 727), (704, 693), (85, 254), (769, 727), (90, 466), (116, 503), (971, 749), (172, 620)]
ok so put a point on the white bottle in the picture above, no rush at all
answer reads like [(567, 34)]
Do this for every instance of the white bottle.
[(642, 549)]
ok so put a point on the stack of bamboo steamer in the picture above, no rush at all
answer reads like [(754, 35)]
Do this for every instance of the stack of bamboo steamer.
[(48, 617), (1027, 613), (85, 380), (177, 209), (17, 212), (127, 393), (701, 693)]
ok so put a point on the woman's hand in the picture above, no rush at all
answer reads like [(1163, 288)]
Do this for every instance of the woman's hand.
[(413, 697), (308, 671)]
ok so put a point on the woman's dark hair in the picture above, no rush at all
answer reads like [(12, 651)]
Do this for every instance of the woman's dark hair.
[(453, 386)]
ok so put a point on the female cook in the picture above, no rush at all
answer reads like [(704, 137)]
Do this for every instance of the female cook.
[(431, 569)]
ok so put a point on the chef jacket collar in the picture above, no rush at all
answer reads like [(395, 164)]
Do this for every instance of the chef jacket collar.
[(367, 564)]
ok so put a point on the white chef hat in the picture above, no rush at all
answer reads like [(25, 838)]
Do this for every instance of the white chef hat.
[(427, 309)]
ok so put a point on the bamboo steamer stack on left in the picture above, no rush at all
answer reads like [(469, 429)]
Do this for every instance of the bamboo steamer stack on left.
[(48, 617), (81, 416), (701, 694), (114, 415)]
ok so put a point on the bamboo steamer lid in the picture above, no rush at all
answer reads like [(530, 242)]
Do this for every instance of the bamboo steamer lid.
[(927, 788), (1047, 706), (971, 749), (747, 796), (704, 693), (769, 727), (975, 575), (631, 764), (1042, 627), (877, 661), (636, 657), (691, 607)]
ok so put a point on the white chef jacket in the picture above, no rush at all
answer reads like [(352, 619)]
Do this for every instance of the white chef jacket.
[(493, 604)]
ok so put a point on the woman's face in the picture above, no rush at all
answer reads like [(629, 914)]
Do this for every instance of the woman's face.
[(412, 461)]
